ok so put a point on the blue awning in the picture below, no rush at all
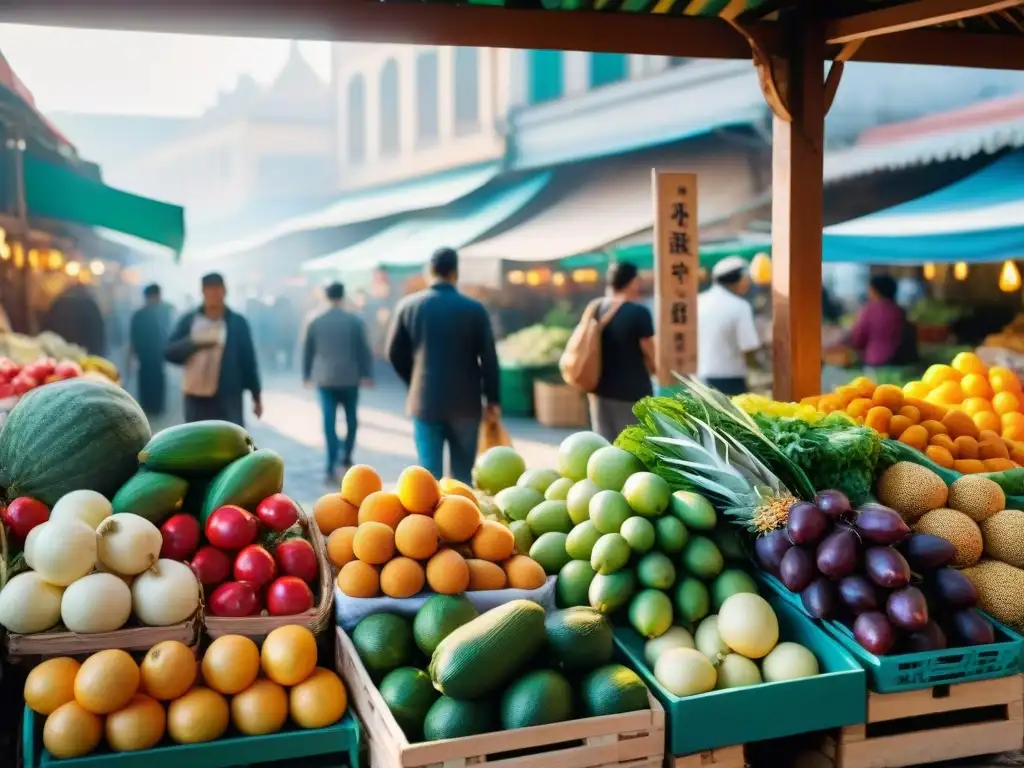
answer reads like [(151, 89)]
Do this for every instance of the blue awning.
[(411, 242), (977, 219)]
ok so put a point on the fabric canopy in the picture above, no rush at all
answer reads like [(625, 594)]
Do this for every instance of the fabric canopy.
[(642, 254), (977, 219), (57, 192)]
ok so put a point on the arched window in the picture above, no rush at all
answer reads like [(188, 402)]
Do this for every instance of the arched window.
[(390, 143), (466, 74), (608, 68), (355, 120), (426, 98), (545, 76)]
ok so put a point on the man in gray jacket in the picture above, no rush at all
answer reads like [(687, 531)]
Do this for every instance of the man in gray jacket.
[(337, 360)]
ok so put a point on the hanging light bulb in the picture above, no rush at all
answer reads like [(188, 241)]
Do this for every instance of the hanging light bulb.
[(97, 267), (929, 272), (960, 270), (72, 268), (558, 279), (761, 269), (1009, 277)]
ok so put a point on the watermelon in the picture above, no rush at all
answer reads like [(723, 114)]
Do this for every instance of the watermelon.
[(71, 435)]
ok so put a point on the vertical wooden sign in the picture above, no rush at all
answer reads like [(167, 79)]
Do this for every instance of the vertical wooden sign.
[(676, 268)]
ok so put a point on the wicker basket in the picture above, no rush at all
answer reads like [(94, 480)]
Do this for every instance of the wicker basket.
[(559, 405)]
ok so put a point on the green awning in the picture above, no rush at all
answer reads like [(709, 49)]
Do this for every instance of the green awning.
[(642, 254), (54, 191)]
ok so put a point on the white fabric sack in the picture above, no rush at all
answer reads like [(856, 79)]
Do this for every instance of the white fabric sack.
[(349, 611)]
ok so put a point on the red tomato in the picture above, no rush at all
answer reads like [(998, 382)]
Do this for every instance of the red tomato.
[(232, 528), (6, 390), (296, 557), (8, 368), (23, 383), (256, 566), (40, 369), (181, 537), (234, 599), (278, 512), (67, 369), (288, 596), (212, 566), (23, 514)]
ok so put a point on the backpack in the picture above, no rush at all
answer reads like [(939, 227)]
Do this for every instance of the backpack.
[(580, 363)]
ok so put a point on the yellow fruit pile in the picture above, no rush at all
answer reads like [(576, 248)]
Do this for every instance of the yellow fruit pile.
[(425, 534), (132, 707)]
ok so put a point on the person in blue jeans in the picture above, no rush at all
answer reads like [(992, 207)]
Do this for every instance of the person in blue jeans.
[(442, 346), (337, 360)]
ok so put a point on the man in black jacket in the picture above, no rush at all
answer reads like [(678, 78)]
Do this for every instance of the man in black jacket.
[(442, 346)]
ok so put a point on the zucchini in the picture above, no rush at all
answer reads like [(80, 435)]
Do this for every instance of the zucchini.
[(245, 482), (152, 495), (202, 447)]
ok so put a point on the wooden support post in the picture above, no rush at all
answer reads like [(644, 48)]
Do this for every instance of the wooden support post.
[(797, 218)]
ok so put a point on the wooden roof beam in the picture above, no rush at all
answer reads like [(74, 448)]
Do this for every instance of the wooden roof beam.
[(943, 48), (907, 16)]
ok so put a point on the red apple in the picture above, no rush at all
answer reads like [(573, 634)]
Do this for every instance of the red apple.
[(67, 369), (296, 557), (256, 566), (289, 595), (8, 368), (232, 528), (278, 512), (23, 383), (23, 514), (181, 537), (212, 566), (41, 368), (234, 599)]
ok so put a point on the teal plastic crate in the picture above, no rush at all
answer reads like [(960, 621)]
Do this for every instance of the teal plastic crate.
[(340, 742), (516, 386), (837, 697), (913, 671)]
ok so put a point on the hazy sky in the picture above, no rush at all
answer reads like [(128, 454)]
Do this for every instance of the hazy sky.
[(139, 73)]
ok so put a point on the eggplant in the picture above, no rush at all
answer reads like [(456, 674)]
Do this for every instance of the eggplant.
[(954, 589), (820, 599), (931, 638), (886, 567), (874, 632), (925, 552), (858, 594), (797, 569), (837, 553), (770, 549), (835, 504), (907, 609), (971, 628), (806, 524), (881, 525)]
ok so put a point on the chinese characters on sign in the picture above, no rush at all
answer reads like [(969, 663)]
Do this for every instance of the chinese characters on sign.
[(676, 268)]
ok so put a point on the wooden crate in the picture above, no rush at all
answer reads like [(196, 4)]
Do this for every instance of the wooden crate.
[(723, 757), (934, 725), (559, 405), (632, 740)]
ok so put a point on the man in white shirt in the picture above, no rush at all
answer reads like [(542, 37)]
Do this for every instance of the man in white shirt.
[(726, 332)]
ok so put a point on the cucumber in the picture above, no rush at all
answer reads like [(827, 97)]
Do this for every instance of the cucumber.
[(202, 447), (245, 482), (152, 495), (481, 657)]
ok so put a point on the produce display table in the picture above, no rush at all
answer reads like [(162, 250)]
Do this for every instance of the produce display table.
[(516, 385)]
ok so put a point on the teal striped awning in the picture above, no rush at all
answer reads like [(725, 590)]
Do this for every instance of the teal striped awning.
[(642, 254)]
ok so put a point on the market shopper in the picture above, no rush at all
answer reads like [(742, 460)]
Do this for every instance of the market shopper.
[(147, 337), (214, 344), (76, 317), (441, 344), (882, 334), (336, 358), (627, 352), (726, 332)]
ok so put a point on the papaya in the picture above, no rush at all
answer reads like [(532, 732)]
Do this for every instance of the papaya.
[(152, 495), (245, 482), (201, 448)]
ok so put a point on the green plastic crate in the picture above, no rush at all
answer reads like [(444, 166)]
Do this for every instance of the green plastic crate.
[(516, 386), (914, 671), (837, 697), (340, 741)]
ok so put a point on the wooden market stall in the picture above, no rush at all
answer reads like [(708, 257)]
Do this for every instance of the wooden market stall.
[(790, 42)]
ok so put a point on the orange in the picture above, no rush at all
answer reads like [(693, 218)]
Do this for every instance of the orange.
[(139, 725), (318, 701), (1005, 402), (289, 654), (968, 466), (1014, 432), (859, 408), (418, 491), (940, 456), (973, 405), (864, 386), (401, 577), (829, 403), (928, 410), (947, 393), (878, 419), (493, 541), (937, 374), (457, 519), (199, 716), (260, 709), (846, 395), (358, 483), (888, 396), (998, 465), (935, 427), (969, 363), (916, 389), (416, 537), (447, 573), (992, 449), (966, 447), (332, 512), (987, 420), (106, 681), (485, 575), (451, 487), (168, 670), (339, 546), (231, 664), (915, 436), (382, 507), (959, 424), (945, 441), (374, 543), (359, 579), (51, 684), (911, 412), (976, 385), (1012, 419), (898, 425), (1003, 380), (524, 573), (71, 731)]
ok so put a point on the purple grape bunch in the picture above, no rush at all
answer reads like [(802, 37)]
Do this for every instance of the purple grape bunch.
[(865, 567)]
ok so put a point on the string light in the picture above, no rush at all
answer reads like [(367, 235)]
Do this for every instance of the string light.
[(558, 279), (929, 272), (1009, 277), (960, 270), (97, 267), (517, 277), (72, 268), (585, 276), (56, 259)]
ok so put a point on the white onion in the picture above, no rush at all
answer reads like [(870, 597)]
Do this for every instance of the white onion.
[(90, 507), (64, 551), (128, 544), (29, 605), (99, 602), (166, 594)]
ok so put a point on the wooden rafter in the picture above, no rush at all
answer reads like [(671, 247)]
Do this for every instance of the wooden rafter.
[(944, 48), (907, 16)]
